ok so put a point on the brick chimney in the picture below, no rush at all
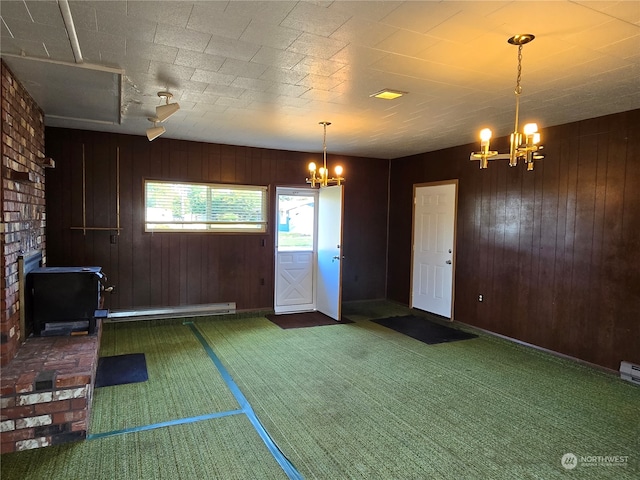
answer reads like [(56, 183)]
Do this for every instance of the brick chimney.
[(22, 202)]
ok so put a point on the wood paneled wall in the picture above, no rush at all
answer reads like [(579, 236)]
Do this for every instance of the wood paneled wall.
[(555, 252), (169, 269)]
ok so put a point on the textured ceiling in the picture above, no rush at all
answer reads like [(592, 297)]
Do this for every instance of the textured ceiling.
[(265, 73)]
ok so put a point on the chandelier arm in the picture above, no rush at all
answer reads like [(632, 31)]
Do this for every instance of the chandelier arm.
[(320, 177)]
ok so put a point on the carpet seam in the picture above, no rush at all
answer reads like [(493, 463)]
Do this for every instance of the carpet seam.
[(278, 455)]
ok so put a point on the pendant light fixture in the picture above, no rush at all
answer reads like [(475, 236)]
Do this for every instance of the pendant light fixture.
[(525, 145), (320, 177), (165, 111), (155, 131)]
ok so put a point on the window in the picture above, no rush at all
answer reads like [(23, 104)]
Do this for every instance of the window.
[(296, 220), (204, 207)]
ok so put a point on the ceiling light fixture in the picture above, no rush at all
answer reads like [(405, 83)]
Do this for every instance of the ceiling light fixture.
[(526, 145), (155, 131), (320, 177), (388, 94), (165, 111)]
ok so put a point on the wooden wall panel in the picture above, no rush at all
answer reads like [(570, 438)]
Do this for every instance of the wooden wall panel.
[(555, 252), (171, 269)]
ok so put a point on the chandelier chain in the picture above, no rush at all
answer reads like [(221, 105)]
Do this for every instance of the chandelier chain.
[(518, 90)]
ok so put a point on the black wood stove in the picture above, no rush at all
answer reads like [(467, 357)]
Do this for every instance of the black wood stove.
[(64, 300)]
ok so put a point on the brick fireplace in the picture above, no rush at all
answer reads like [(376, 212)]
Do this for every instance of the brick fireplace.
[(47, 390), (46, 383)]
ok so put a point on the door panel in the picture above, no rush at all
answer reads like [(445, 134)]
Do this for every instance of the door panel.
[(433, 242), (294, 281), (329, 274)]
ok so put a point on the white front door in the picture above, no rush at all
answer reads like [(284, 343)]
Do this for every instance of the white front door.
[(433, 243), (329, 273), (295, 250)]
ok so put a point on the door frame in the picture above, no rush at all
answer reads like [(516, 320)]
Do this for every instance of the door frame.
[(454, 182), (287, 190)]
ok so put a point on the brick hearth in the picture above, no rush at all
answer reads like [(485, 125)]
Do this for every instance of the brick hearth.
[(46, 391)]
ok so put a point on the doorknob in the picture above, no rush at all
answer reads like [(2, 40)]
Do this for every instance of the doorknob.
[(337, 257), (448, 262)]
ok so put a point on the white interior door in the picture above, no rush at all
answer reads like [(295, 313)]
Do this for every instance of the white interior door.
[(433, 243), (295, 250), (329, 267)]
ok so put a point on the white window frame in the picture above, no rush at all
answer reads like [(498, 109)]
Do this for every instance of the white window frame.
[(158, 225)]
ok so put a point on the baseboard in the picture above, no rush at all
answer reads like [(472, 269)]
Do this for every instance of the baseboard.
[(541, 349), (171, 312)]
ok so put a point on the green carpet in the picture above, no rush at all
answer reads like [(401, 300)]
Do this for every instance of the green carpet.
[(183, 382), (225, 448), (354, 401), (359, 401)]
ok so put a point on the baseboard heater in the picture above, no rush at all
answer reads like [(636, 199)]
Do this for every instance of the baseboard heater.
[(630, 372), (171, 312)]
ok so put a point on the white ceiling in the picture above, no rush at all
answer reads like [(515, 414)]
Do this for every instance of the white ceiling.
[(265, 73)]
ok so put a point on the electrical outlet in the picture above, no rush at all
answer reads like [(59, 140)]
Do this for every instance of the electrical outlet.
[(480, 298)]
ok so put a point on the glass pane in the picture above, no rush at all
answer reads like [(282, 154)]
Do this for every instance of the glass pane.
[(186, 206), (295, 222)]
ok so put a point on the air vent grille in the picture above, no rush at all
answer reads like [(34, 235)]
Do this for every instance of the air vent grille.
[(630, 372)]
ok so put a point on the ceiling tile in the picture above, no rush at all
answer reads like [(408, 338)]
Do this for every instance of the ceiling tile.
[(626, 10), (269, 11), (269, 35), (96, 45), (28, 30), (252, 84), (422, 16), (318, 66), (16, 11), (365, 10), (162, 12), (170, 73), (42, 12), (181, 38), (405, 42), (225, 91), (127, 27), (227, 47), (152, 51), (316, 46), (28, 48), (241, 68), (282, 75), (272, 56), (357, 31), (201, 61), (314, 19), (320, 82), (212, 78), (220, 23)]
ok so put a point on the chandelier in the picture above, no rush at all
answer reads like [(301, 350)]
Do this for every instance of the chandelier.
[(320, 176), (526, 145)]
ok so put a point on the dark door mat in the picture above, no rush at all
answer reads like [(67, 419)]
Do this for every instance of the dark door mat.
[(424, 330), (121, 369), (306, 319)]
